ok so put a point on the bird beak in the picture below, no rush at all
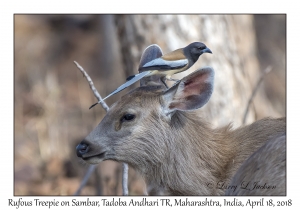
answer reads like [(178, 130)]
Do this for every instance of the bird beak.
[(207, 50)]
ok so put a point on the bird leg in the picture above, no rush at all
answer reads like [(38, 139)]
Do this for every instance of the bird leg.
[(163, 79)]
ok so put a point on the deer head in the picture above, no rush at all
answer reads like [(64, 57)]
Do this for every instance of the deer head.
[(145, 112)]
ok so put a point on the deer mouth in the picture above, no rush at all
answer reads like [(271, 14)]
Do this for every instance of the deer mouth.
[(95, 158)]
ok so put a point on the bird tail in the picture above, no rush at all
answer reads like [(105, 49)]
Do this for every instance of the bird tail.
[(130, 81), (130, 77)]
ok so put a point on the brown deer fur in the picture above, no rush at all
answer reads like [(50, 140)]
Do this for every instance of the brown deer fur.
[(183, 155)]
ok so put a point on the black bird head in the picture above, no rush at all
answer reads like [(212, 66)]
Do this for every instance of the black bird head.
[(195, 49)]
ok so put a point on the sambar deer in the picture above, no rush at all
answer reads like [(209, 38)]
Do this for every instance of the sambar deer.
[(156, 131)]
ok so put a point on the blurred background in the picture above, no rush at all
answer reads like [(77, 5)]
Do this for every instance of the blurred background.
[(52, 98)]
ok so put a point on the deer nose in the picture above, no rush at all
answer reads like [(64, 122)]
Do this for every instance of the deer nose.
[(82, 149)]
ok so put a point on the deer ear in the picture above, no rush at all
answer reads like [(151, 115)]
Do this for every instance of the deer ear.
[(150, 53), (192, 92)]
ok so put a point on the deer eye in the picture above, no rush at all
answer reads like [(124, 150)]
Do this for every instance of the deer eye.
[(127, 117)]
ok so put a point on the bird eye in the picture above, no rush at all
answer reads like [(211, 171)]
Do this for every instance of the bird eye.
[(201, 48), (127, 117)]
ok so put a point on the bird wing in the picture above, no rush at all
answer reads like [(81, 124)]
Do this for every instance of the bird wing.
[(132, 80), (163, 65)]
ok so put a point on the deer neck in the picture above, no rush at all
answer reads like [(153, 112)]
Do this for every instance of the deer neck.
[(185, 156), (186, 147)]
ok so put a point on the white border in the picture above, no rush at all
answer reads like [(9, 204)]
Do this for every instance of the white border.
[(8, 8)]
